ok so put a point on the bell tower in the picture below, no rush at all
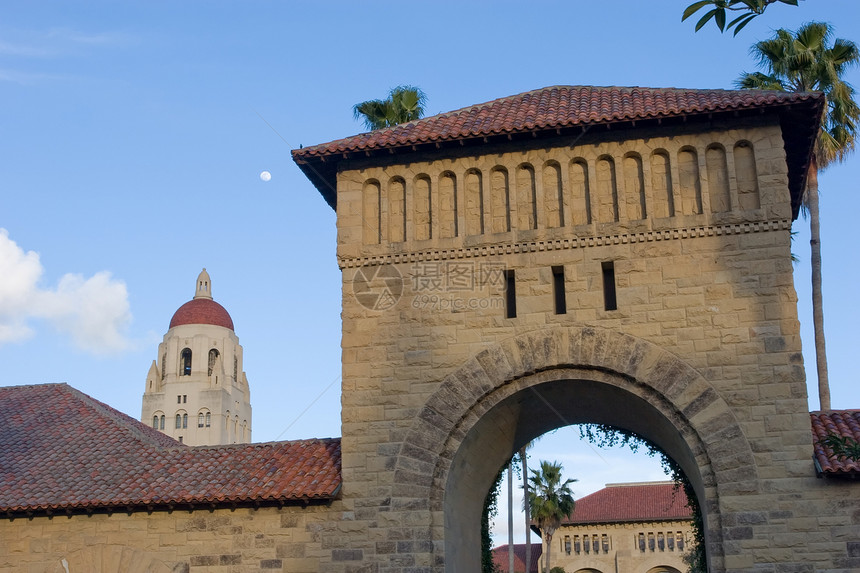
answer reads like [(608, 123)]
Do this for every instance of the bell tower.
[(196, 389)]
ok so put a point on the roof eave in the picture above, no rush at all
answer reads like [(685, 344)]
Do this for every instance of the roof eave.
[(321, 168), (52, 510)]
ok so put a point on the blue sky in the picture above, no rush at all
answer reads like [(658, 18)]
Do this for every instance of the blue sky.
[(133, 136)]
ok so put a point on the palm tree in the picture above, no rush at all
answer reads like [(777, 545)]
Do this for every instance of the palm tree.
[(551, 500), (805, 61), (404, 103)]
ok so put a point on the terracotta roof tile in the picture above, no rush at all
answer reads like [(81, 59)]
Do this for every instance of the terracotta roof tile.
[(500, 557), (656, 501), (558, 107), (842, 423), (202, 311), (62, 450)]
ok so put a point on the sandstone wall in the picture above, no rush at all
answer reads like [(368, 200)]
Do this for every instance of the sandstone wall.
[(241, 540), (694, 227)]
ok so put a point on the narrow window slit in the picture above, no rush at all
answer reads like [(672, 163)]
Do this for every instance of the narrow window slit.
[(609, 300), (510, 295), (558, 290)]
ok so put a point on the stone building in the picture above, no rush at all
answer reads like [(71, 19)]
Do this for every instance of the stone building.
[(578, 254), (573, 254), (627, 528), (623, 528), (200, 364)]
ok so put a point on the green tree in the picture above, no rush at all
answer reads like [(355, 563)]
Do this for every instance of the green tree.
[(550, 500), (489, 511), (404, 103), (747, 11), (844, 447), (803, 61)]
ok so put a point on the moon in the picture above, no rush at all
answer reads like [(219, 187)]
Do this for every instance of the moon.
[(265, 176)]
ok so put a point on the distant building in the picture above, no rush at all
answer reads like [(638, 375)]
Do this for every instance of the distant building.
[(500, 558), (623, 528), (627, 527), (196, 389)]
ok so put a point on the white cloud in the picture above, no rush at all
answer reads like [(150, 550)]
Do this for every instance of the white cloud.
[(94, 312)]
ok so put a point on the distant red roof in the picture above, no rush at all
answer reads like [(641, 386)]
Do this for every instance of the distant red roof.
[(842, 423), (61, 450), (658, 501), (549, 111), (202, 311), (500, 557)]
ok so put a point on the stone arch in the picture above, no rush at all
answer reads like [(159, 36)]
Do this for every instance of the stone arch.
[(661, 184), (109, 558), (396, 209), (718, 178), (580, 202), (553, 194), (607, 190), (634, 187), (491, 405), (746, 175), (500, 200), (423, 212), (448, 205), (474, 207), (526, 197), (689, 181), (371, 212)]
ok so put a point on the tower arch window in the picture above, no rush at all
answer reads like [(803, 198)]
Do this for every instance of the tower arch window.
[(178, 421), (184, 420), (213, 356), (200, 420), (161, 422), (185, 362), (155, 422), (208, 419)]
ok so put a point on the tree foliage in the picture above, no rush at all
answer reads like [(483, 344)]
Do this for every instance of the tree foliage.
[(805, 61), (550, 501), (491, 509), (802, 61), (843, 447), (403, 104), (721, 10)]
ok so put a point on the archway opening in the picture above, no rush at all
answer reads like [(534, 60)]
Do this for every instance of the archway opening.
[(630, 513), (511, 417)]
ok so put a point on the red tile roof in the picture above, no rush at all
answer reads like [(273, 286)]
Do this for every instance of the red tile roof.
[(202, 311), (548, 111), (61, 450), (844, 424), (500, 557), (637, 502)]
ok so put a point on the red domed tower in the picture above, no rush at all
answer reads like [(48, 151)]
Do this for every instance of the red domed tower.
[(196, 391)]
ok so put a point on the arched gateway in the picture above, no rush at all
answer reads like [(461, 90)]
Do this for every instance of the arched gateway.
[(512, 392), (568, 255)]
